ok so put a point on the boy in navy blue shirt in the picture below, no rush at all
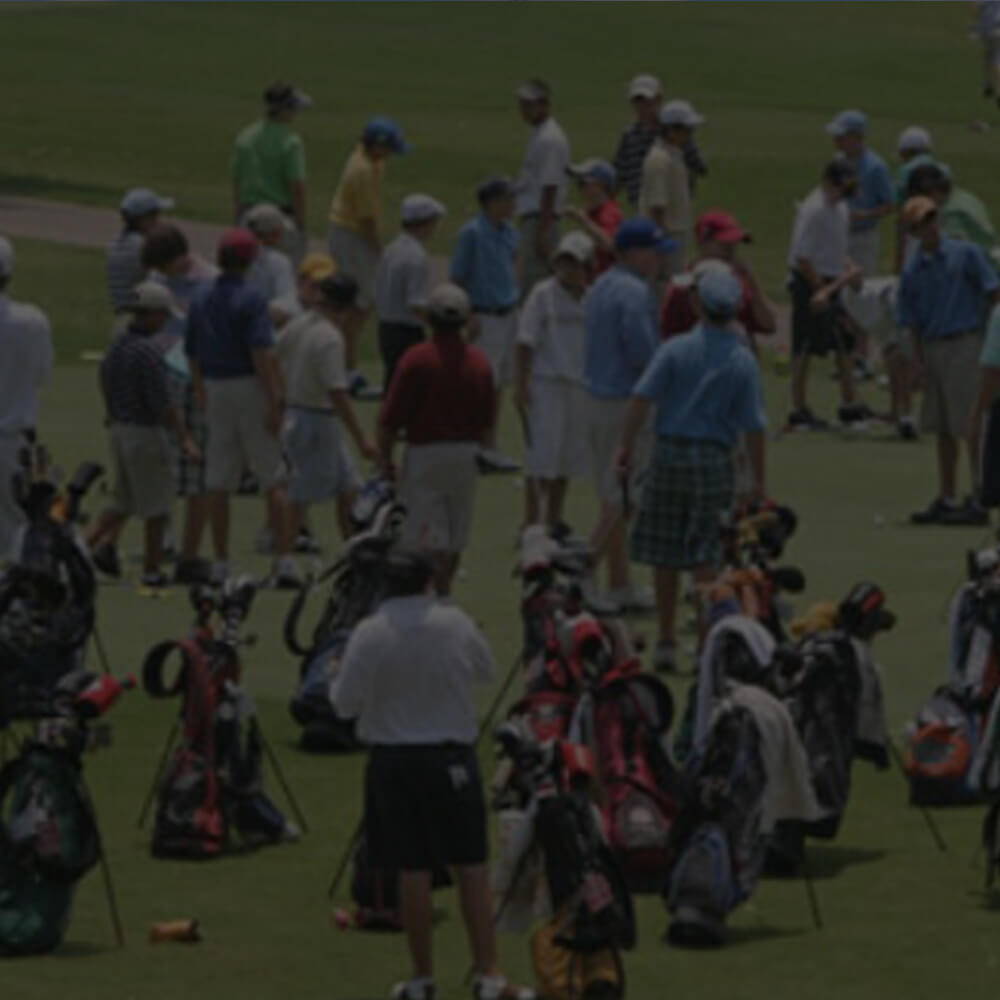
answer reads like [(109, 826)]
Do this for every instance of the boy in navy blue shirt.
[(707, 390)]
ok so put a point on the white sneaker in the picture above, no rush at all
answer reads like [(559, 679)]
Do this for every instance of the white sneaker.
[(414, 989), (638, 600), (596, 602), (285, 574)]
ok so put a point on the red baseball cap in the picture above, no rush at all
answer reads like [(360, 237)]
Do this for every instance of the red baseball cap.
[(721, 227), (241, 242)]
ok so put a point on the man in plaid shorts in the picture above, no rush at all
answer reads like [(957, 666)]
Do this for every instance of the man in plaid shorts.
[(707, 389)]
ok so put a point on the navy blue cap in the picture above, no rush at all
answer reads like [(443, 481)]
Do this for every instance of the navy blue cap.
[(643, 234), (385, 132)]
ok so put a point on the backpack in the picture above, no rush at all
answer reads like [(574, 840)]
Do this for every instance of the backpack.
[(48, 842), (212, 785), (717, 849)]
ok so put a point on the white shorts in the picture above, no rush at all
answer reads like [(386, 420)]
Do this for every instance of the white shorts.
[(605, 420), (557, 448), (355, 256), (864, 248), (439, 489), (496, 338), (144, 466), (320, 464), (236, 412)]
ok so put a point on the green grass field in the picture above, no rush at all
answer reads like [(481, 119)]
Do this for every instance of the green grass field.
[(111, 95)]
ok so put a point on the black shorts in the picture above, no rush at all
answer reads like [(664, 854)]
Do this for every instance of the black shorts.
[(394, 340), (424, 807), (816, 332)]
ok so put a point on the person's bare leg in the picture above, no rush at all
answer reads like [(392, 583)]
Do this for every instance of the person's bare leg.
[(947, 457), (555, 498), (491, 437), (666, 585), (279, 520), (345, 501), (445, 567), (702, 575), (154, 528), (800, 376), (972, 442), (296, 513), (845, 374), (195, 517), (218, 519), (476, 900), (617, 553), (107, 529), (534, 498), (417, 916), (603, 530)]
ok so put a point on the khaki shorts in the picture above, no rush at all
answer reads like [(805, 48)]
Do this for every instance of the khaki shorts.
[(238, 439), (864, 248), (951, 367), (356, 257), (556, 425), (439, 489), (143, 464), (605, 419), (496, 339)]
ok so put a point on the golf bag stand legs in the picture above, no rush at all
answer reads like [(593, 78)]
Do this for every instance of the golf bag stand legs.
[(158, 775), (109, 886), (279, 774)]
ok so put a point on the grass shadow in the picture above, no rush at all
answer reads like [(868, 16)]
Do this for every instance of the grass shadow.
[(41, 186), (82, 949), (989, 899), (754, 933), (829, 860)]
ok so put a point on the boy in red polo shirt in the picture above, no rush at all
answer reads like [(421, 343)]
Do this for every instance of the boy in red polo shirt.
[(601, 215), (442, 399), (718, 235)]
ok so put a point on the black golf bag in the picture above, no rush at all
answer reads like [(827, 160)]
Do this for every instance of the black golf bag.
[(356, 582)]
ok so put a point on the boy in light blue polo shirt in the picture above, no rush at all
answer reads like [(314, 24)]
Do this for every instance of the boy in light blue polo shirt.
[(707, 390)]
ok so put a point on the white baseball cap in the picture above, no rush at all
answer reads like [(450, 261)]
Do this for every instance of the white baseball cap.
[(6, 257), (914, 140), (577, 245), (265, 218), (449, 302), (421, 208), (680, 113), (644, 85), (720, 290), (151, 296)]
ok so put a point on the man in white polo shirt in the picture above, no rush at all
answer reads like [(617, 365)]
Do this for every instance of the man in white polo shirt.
[(402, 281), (541, 184), (665, 191), (25, 366), (550, 393)]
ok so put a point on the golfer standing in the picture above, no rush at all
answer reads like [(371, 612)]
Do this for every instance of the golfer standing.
[(944, 294), (541, 185), (645, 94), (25, 366), (407, 676)]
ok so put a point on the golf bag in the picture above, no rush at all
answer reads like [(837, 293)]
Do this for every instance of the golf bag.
[(356, 588), (717, 845), (212, 785), (577, 950), (946, 745)]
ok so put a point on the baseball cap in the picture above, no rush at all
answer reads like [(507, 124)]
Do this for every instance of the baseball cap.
[(151, 296), (593, 169), (338, 290), (534, 90), (142, 201), (449, 302), (719, 289), (577, 245), (494, 187), (680, 113), (720, 226), (848, 122), (283, 95), (917, 209), (643, 234), (240, 241), (6, 257), (914, 140), (265, 218), (385, 132), (421, 208), (317, 266), (644, 85)]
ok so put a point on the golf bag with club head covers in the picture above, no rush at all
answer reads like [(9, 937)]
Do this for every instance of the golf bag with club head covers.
[(212, 786), (356, 587)]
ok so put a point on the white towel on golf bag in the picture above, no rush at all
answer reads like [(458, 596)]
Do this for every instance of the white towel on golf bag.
[(872, 728), (757, 639), (789, 793), (519, 888)]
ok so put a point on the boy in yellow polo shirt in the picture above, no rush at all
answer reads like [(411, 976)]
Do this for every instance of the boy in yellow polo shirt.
[(355, 217)]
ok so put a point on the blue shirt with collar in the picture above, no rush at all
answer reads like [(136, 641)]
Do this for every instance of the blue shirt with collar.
[(875, 189), (946, 292), (483, 263), (706, 385), (226, 322), (622, 332)]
